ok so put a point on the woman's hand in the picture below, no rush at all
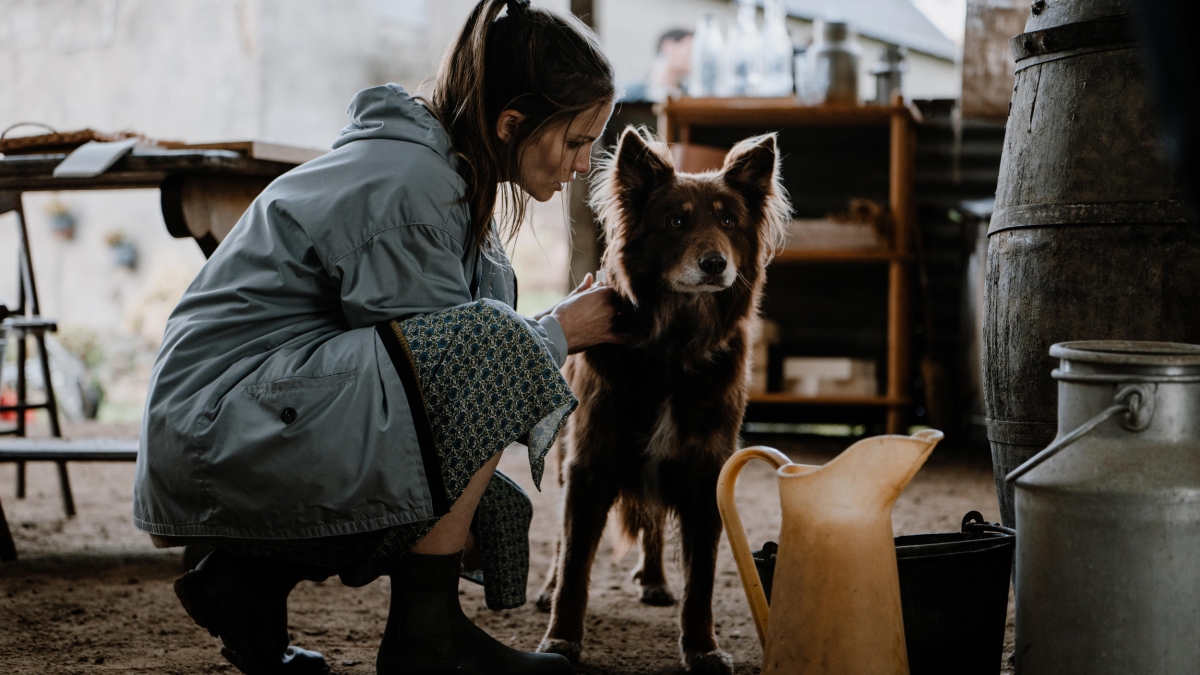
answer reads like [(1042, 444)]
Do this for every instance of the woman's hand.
[(586, 316)]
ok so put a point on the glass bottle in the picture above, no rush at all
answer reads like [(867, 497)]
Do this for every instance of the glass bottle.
[(778, 51), (744, 54), (708, 53)]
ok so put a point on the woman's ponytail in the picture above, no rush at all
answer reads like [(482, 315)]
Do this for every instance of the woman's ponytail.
[(511, 55)]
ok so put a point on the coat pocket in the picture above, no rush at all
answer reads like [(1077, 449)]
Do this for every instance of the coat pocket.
[(303, 399), (299, 383)]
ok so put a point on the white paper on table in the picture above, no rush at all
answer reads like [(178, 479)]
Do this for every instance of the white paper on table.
[(93, 158)]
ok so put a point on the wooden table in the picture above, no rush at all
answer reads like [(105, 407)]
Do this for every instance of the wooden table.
[(204, 191)]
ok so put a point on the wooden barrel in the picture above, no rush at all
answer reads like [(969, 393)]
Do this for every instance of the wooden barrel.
[(1091, 239)]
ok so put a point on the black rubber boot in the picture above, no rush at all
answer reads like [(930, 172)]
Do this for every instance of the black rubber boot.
[(243, 601), (428, 634)]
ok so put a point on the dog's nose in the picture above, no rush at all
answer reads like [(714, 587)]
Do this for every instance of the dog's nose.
[(713, 263)]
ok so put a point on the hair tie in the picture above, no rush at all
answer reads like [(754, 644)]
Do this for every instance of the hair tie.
[(516, 7)]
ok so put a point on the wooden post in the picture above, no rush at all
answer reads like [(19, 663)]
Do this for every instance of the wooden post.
[(900, 186), (987, 61), (586, 11)]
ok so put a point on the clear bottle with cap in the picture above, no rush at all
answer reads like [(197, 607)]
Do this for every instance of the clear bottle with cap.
[(778, 51), (834, 57), (744, 54), (708, 55)]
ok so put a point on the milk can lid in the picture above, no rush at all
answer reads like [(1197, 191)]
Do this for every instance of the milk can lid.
[(1127, 352)]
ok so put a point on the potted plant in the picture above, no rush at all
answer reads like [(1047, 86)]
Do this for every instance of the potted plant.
[(62, 221), (122, 249)]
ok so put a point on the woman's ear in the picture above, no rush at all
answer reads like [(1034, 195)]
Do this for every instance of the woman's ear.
[(753, 163), (506, 125), (639, 167)]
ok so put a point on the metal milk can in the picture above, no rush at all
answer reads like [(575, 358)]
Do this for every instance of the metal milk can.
[(1108, 517)]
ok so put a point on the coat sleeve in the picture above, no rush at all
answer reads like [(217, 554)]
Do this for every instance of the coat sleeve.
[(499, 282), (401, 271), (552, 334), (416, 269)]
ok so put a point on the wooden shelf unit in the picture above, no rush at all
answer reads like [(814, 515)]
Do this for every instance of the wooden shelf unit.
[(677, 118)]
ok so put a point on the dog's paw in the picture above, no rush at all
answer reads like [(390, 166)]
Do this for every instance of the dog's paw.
[(566, 648), (716, 662), (657, 595), (544, 601)]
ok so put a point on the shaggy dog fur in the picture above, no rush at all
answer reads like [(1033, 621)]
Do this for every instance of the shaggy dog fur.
[(659, 415)]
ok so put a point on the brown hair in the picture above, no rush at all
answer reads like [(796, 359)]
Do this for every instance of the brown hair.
[(546, 66)]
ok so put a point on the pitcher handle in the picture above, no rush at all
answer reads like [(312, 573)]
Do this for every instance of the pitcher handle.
[(737, 534)]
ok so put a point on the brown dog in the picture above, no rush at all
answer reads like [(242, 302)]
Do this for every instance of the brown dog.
[(658, 416)]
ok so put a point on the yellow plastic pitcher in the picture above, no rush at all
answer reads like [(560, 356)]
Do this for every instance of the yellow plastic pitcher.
[(835, 598)]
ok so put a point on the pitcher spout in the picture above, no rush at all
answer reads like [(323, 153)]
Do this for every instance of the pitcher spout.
[(873, 470)]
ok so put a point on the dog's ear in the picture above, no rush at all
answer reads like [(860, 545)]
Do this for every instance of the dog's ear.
[(752, 163), (639, 167)]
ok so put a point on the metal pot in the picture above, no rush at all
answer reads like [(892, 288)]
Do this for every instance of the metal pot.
[(1108, 557)]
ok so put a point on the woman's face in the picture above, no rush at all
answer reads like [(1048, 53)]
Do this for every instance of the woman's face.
[(551, 159)]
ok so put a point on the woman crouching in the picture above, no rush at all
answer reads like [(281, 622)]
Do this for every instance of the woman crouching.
[(335, 388)]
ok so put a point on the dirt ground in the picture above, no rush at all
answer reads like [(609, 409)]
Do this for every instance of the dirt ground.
[(91, 595)]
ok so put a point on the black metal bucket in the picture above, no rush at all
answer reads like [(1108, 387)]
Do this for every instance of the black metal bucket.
[(954, 592)]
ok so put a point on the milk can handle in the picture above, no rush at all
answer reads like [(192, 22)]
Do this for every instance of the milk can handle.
[(1135, 401), (737, 534)]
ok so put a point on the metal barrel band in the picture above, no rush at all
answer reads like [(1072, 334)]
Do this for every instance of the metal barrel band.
[(1104, 32), (1103, 378), (1060, 214), (1013, 432), (1135, 401)]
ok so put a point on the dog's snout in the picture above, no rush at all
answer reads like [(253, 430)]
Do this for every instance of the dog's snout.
[(713, 263)]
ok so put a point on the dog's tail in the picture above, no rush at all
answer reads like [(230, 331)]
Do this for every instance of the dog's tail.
[(634, 519)]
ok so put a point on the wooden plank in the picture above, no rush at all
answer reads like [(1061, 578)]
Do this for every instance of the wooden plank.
[(771, 112), (784, 398), (270, 152), (802, 255), (64, 450), (35, 172)]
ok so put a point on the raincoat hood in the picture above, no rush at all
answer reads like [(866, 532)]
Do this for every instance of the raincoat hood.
[(389, 112)]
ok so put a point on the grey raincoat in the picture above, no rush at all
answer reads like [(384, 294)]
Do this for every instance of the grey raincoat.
[(274, 410)]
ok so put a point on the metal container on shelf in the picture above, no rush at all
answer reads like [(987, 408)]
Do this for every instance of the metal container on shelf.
[(1108, 516), (889, 74), (834, 57)]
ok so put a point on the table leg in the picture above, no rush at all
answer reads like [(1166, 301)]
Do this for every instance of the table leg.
[(8, 550), (64, 484)]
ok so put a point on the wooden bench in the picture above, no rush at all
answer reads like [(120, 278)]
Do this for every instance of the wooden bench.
[(58, 450)]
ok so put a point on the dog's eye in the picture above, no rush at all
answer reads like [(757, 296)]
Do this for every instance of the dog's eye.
[(676, 221), (726, 221)]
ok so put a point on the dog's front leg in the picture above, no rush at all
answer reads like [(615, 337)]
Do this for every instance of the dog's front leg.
[(586, 501), (700, 529)]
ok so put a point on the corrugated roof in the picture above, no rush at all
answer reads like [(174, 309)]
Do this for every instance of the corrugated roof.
[(894, 21)]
